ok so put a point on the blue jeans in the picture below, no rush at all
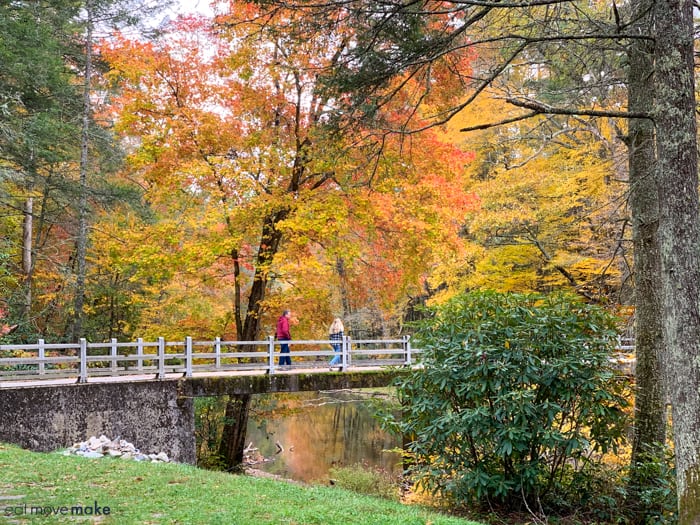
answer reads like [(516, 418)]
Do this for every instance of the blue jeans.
[(284, 348), (336, 358)]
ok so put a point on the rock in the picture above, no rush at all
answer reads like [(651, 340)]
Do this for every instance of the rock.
[(93, 443), (103, 446)]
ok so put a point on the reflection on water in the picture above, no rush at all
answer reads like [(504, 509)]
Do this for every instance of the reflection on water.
[(316, 432)]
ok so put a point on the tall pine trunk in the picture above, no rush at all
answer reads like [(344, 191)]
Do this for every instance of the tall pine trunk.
[(81, 242), (679, 237), (27, 258), (649, 413)]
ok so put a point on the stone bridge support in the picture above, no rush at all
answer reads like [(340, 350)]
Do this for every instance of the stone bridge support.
[(152, 415)]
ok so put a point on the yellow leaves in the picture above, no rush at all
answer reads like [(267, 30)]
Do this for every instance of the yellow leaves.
[(506, 268), (547, 212), (317, 216)]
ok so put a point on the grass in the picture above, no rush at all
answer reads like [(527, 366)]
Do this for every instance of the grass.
[(127, 492)]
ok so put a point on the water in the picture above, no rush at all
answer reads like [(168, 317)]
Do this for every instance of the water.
[(317, 431)]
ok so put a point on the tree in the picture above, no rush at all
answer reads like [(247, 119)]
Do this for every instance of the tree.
[(246, 140), (38, 96), (81, 239), (48, 135), (551, 216), (677, 184), (254, 157), (650, 412), (232, 125), (540, 30), (103, 13)]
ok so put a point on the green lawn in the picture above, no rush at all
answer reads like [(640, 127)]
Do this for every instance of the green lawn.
[(126, 492)]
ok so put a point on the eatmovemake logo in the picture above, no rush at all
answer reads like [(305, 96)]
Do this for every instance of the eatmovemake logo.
[(56, 510)]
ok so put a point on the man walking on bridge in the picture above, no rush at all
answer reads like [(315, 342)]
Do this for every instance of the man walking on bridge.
[(282, 334)]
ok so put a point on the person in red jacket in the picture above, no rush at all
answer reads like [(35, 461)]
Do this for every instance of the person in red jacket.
[(282, 334)]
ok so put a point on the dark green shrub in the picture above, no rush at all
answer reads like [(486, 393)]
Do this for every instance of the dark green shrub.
[(517, 400), (649, 492), (208, 424)]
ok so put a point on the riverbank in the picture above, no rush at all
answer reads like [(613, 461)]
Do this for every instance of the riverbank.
[(52, 488)]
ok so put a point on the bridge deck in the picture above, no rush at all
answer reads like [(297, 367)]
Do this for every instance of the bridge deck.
[(294, 370)]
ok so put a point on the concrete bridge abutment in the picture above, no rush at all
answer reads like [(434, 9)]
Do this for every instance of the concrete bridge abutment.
[(156, 416)]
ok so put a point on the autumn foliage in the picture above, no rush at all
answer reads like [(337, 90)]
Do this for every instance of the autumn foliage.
[(245, 190)]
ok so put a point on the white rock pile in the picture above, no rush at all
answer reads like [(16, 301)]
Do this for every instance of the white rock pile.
[(99, 447)]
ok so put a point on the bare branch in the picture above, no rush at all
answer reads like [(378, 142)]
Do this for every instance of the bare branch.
[(543, 108), (501, 122)]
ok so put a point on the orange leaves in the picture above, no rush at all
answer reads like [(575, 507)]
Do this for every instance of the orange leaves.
[(407, 224), (232, 147)]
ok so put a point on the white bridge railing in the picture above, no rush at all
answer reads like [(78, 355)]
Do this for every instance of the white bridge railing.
[(85, 360)]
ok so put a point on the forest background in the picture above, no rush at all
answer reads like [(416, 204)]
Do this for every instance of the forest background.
[(195, 185)]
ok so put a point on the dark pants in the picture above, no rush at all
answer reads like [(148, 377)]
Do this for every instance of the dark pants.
[(284, 359)]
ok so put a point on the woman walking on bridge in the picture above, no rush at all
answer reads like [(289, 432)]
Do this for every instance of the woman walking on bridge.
[(335, 333)]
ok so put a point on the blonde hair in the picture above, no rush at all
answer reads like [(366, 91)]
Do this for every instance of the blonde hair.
[(336, 326)]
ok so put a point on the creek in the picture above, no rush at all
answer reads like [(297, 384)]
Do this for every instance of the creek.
[(302, 436)]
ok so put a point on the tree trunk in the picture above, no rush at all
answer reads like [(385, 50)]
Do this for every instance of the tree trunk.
[(345, 305), (269, 245), (679, 237), (236, 258), (27, 261), (649, 413), (233, 438), (81, 242)]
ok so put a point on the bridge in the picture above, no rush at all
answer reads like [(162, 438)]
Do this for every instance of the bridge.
[(53, 395), (83, 362)]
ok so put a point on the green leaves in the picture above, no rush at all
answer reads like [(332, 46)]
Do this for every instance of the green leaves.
[(514, 388)]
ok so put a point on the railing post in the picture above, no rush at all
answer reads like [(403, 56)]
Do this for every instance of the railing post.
[(188, 356), (343, 352), (42, 355), (217, 350), (407, 349), (139, 354), (270, 354), (347, 348), (161, 358), (113, 354), (83, 361)]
